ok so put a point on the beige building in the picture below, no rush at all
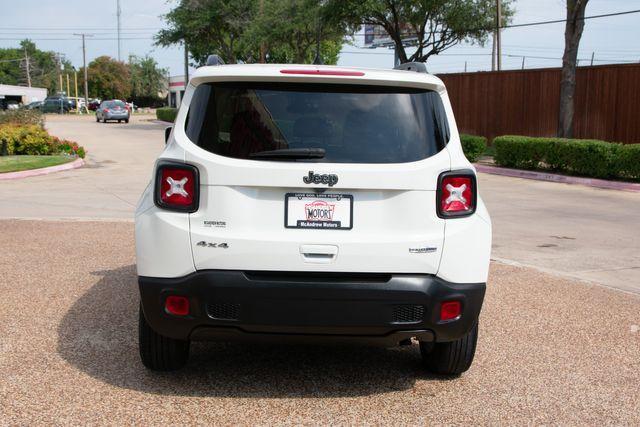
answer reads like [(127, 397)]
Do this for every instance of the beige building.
[(20, 95)]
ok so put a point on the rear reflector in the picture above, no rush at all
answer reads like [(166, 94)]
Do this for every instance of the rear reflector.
[(314, 71), (178, 306), (177, 187), (456, 194), (450, 310)]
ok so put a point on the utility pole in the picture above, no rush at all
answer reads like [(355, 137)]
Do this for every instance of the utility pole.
[(465, 66), (493, 52), (498, 24), (523, 62), (118, 13), (592, 56), (58, 58), (27, 66), (84, 65)]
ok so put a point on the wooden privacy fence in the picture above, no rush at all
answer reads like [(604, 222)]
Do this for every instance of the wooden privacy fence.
[(526, 102)]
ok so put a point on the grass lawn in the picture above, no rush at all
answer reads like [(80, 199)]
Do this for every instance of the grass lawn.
[(22, 163)]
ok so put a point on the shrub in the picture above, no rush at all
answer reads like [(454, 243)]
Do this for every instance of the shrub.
[(30, 139), (21, 117), (593, 158), (519, 151), (34, 140), (67, 147), (473, 146), (629, 161), (148, 101), (167, 114)]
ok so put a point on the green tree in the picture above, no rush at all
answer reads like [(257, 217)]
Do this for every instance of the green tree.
[(147, 81), (43, 67), (288, 30), (285, 30), (572, 35), (10, 72), (432, 25), (108, 78), (210, 26)]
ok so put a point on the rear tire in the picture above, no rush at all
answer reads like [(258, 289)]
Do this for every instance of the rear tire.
[(97, 119), (160, 353), (450, 358), (126, 120)]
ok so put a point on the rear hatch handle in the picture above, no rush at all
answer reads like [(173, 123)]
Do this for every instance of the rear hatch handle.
[(319, 254)]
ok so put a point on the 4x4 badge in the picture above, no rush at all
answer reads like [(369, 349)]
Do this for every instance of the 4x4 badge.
[(312, 178), (212, 245)]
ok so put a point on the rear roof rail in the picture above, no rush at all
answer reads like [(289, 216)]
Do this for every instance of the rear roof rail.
[(214, 60), (418, 67)]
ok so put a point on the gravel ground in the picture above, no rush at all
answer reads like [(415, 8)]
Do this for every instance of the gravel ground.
[(550, 351)]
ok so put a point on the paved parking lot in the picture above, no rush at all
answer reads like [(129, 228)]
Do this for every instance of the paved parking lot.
[(552, 349), (571, 230), (118, 167)]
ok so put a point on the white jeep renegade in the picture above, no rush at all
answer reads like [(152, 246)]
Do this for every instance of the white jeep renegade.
[(306, 202)]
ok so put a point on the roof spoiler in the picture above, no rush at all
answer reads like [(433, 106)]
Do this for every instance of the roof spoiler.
[(214, 60), (418, 67)]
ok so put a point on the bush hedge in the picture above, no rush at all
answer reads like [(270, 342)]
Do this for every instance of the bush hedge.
[(167, 114), (473, 146), (21, 117), (586, 157), (34, 140)]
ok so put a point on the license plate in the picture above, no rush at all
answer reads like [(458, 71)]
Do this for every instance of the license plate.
[(319, 211)]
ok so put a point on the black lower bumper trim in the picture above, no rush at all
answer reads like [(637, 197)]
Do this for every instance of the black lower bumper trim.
[(386, 309), (221, 333)]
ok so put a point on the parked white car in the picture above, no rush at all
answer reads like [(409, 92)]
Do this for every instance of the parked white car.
[(301, 202)]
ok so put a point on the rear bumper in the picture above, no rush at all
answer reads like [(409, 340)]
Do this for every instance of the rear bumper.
[(112, 116), (381, 308)]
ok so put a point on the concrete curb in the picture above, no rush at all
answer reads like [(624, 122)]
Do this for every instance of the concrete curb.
[(42, 171), (162, 122), (551, 177)]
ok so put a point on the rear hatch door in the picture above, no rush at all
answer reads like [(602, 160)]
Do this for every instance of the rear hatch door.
[(362, 201)]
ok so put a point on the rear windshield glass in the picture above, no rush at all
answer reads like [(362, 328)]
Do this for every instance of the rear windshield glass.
[(111, 104), (352, 124)]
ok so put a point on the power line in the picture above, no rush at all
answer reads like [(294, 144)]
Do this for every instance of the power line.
[(70, 38), (510, 55), (96, 29), (81, 28), (527, 24), (556, 21)]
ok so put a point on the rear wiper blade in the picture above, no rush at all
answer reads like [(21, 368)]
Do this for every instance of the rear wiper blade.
[(290, 154)]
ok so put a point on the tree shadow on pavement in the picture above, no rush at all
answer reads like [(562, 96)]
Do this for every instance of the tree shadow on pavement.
[(99, 336)]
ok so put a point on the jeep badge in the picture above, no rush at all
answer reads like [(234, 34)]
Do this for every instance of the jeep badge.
[(312, 178)]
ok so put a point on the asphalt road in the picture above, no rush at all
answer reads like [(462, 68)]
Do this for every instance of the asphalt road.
[(551, 351), (570, 230), (118, 167)]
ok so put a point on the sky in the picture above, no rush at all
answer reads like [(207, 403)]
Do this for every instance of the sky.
[(611, 39)]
